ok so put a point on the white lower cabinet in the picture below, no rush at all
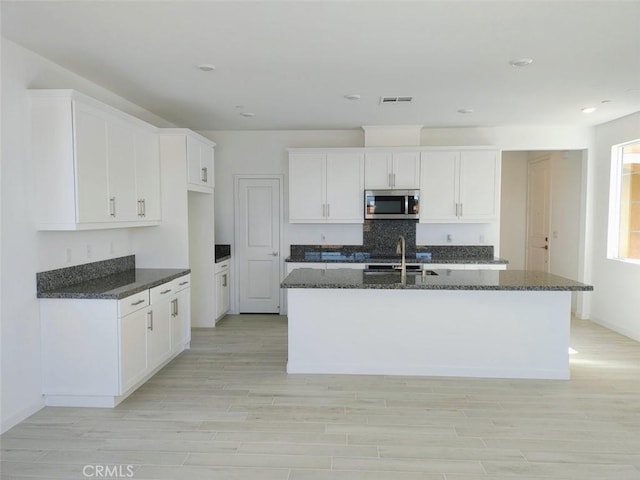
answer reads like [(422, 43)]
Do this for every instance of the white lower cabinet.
[(97, 352), (223, 288)]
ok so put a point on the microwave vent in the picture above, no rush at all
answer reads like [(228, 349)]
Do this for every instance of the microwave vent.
[(387, 100)]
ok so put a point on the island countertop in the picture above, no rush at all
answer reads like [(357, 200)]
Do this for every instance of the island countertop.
[(344, 278)]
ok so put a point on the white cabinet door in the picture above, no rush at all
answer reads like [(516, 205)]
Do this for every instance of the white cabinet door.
[(439, 186), (306, 188), (377, 170), (200, 163), (121, 171), (90, 132), (478, 185), (194, 173), (147, 176), (344, 188), (180, 320), (385, 170), (405, 170), (158, 333), (206, 165), (133, 351)]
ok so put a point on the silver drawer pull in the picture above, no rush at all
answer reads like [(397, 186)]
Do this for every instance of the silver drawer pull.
[(138, 302), (166, 291), (183, 283)]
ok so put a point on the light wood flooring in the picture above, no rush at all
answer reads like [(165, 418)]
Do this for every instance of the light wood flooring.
[(226, 409)]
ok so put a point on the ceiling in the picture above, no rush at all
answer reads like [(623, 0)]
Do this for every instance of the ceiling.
[(292, 63)]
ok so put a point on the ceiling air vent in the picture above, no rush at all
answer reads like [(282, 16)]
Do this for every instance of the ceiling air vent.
[(387, 100)]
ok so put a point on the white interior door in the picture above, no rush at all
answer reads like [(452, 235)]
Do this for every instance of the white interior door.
[(258, 245), (538, 203)]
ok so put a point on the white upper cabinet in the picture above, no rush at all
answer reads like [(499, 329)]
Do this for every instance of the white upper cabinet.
[(199, 164), (94, 166), (326, 187), (459, 186), (90, 163), (148, 176), (384, 170)]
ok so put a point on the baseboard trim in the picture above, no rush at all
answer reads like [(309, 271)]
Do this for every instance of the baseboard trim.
[(13, 420), (622, 331)]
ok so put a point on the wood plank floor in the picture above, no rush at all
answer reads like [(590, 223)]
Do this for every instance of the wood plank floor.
[(226, 409)]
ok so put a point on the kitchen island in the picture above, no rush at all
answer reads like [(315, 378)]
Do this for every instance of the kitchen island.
[(481, 323)]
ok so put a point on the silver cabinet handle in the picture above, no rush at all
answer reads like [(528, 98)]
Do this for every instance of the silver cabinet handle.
[(393, 179), (112, 206), (274, 254), (183, 283), (166, 291), (461, 209), (224, 280), (324, 210), (138, 302), (150, 320), (389, 181), (328, 210), (205, 176), (174, 307)]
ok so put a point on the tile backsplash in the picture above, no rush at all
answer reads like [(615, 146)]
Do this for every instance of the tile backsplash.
[(381, 236)]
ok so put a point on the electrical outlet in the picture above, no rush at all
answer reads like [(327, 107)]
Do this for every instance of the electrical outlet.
[(68, 255), (323, 238), (89, 251), (112, 249), (481, 238), (449, 238)]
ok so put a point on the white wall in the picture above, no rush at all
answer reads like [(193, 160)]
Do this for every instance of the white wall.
[(564, 241), (614, 301), (25, 251), (513, 220)]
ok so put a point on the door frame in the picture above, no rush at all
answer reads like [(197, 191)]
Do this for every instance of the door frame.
[(544, 157), (236, 233)]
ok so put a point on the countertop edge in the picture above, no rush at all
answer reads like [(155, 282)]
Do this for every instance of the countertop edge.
[(514, 288), (112, 296), (470, 261)]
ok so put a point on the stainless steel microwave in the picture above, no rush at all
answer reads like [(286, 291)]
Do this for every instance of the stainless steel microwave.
[(392, 204)]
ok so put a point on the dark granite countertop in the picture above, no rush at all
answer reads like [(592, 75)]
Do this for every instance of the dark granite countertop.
[(346, 278), (222, 252), (117, 285), (361, 257)]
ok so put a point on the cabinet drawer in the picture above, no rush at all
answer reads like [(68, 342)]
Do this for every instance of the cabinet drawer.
[(162, 292), (222, 266), (181, 283), (132, 303)]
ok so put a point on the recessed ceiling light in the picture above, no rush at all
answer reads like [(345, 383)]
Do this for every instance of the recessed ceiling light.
[(588, 109), (352, 96), (247, 114), (206, 67), (521, 62), (465, 110)]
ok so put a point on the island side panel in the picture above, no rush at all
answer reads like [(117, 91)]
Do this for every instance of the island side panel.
[(497, 334)]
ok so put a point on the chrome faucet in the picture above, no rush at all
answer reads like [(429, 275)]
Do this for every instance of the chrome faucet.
[(401, 249)]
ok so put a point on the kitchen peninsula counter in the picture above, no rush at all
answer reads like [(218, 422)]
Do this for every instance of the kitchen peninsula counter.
[(484, 323)]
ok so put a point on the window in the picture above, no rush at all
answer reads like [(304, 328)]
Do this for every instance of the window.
[(624, 215)]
